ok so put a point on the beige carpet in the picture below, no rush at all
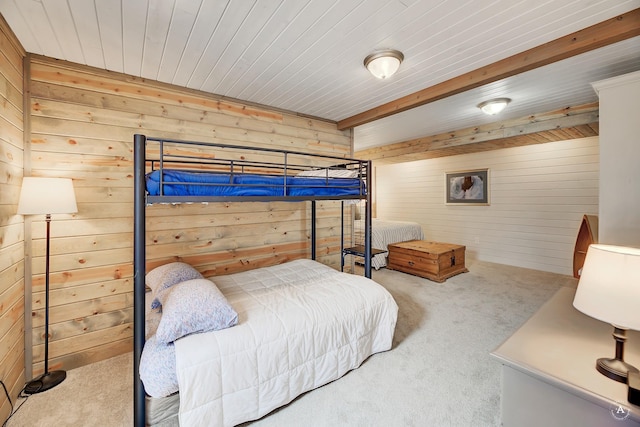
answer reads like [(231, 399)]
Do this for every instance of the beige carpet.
[(100, 394), (439, 372)]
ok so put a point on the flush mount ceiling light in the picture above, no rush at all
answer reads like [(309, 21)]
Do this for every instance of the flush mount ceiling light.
[(494, 106), (383, 63)]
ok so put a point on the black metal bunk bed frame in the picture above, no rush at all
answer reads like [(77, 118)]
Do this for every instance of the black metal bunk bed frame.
[(141, 199)]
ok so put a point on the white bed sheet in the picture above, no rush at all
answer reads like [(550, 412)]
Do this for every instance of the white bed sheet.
[(301, 325), (384, 233)]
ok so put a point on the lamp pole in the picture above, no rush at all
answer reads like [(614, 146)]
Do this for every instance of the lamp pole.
[(41, 195), (46, 298)]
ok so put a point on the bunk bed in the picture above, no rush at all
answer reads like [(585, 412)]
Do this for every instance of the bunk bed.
[(175, 171)]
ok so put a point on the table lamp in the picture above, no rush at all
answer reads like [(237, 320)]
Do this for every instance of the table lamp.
[(609, 290), (46, 196)]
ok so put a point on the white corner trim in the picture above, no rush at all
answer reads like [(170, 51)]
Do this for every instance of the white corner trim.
[(615, 81)]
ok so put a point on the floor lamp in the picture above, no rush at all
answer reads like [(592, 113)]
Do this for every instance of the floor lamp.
[(46, 196)]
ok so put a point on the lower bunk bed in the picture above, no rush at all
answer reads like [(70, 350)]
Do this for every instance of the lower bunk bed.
[(281, 331)]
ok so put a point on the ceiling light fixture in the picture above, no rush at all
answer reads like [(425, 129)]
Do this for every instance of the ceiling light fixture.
[(384, 63), (494, 106)]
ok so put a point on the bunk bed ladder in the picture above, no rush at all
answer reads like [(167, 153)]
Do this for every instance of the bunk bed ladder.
[(367, 224), (366, 252)]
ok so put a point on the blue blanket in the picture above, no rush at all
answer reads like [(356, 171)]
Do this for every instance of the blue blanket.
[(181, 183)]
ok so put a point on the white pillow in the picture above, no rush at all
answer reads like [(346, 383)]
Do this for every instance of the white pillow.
[(161, 278), (158, 368), (194, 306), (331, 173)]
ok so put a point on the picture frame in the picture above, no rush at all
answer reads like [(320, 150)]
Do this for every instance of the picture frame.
[(468, 187)]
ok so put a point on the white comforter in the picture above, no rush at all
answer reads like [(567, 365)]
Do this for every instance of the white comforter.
[(301, 325), (384, 233)]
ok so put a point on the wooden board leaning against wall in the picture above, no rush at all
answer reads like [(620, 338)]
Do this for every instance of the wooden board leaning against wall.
[(82, 126)]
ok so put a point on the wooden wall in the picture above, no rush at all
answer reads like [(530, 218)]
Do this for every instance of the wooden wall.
[(12, 367), (538, 195), (82, 126)]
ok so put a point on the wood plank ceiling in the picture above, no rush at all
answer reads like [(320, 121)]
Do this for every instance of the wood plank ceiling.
[(306, 55)]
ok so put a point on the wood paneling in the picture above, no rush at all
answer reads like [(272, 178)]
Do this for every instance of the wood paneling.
[(538, 195), (82, 126), (567, 123), (12, 253)]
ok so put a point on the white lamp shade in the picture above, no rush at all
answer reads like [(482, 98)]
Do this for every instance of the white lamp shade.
[(609, 287), (46, 196), (384, 64)]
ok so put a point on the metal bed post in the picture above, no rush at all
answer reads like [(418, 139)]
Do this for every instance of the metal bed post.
[(342, 235), (367, 225), (139, 256), (313, 230)]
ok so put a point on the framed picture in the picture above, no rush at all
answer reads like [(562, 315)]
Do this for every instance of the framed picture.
[(469, 187)]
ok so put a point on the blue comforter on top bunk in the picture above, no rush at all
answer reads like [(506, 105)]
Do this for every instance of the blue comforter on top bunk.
[(182, 183)]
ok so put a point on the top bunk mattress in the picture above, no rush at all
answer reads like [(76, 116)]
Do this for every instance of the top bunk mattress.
[(187, 183)]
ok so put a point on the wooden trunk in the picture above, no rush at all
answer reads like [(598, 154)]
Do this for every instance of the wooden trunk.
[(432, 260)]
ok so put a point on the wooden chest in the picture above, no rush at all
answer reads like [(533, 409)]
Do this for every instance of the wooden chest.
[(432, 260)]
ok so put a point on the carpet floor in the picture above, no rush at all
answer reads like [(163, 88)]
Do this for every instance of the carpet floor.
[(438, 373)]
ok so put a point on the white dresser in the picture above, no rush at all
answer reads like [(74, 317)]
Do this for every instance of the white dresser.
[(548, 370)]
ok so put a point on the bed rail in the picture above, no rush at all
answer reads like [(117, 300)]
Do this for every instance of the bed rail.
[(232, 163)]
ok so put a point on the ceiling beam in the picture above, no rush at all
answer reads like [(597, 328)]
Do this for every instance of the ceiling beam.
[(611, 31), (566, 123)]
